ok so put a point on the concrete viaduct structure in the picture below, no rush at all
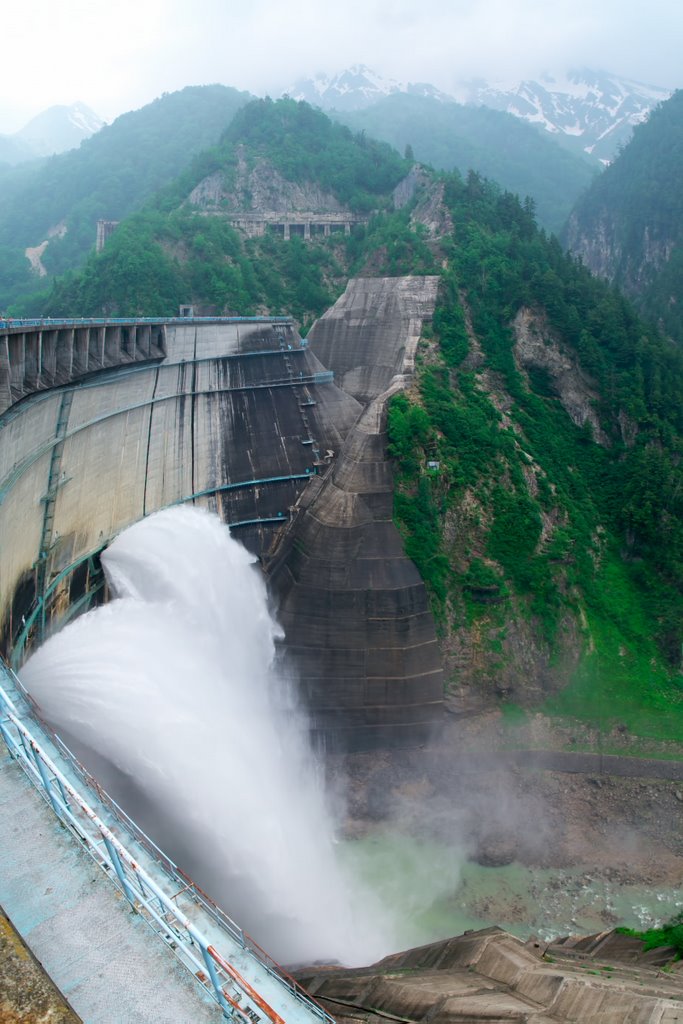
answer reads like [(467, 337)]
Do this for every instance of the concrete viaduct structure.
[(305, 225)]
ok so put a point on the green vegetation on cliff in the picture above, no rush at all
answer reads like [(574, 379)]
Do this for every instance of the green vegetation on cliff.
[(172, 252), (154, 263), (629, 224), (304, 145), (670, 934), (107, 177), (539, 483)]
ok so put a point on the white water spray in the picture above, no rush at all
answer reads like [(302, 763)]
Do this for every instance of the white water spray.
[(169, 696)]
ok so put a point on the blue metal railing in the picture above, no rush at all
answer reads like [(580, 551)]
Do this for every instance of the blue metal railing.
[(128, 321), (212, 969)]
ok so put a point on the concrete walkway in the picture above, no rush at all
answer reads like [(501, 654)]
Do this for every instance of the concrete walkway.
[(101, 955)]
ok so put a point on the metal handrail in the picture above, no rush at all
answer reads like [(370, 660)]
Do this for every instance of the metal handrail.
[(9, 322), (213, 970)]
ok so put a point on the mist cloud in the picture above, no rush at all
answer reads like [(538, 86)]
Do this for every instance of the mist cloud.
[(117, 59)]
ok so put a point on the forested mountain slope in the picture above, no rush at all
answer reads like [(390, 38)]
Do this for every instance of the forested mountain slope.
[(628, 227), (539, 485), (539, 482), (61, 199), (182, 247), (451, 136)]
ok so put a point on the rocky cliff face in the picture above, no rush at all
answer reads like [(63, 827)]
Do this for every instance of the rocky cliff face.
[(600, 244), (595, 245), (537, 348), (255, 186), (430, 210)]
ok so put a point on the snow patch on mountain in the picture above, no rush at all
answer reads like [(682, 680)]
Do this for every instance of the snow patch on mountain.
[(355, 88), (596, 110), (57, 129), (591, 112)]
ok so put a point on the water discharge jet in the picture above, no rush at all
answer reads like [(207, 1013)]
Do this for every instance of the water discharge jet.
[(169, 695)]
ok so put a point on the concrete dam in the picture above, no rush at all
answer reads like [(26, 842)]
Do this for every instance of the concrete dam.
[(105, 423)]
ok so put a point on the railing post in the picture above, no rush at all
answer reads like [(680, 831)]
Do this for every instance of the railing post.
[(118, 868), (213, 974), (46, 784)]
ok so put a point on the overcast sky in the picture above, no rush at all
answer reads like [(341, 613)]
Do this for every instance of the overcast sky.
[(119, 56)]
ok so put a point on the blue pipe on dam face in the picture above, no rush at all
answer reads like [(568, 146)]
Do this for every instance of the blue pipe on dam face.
[(86, 600)]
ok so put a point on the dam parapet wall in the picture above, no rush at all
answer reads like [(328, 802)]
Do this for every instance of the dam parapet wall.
[(36, 355)]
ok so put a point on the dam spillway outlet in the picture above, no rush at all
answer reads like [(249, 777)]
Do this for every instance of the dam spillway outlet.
[(169, 695)]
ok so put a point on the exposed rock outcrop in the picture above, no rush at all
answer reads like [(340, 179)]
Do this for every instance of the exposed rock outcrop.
[(536, 347), (430, 209), (259, 188)]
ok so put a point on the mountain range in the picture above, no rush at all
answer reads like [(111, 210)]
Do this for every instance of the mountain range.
[(591, 112), (355, 88), (49, 209), (53, 131), (52, 207), (450, 136)]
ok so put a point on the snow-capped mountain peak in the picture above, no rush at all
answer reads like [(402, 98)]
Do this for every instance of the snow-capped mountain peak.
[(354, 88), (589, 111), (595, 111), (84, 119), (59, 128)]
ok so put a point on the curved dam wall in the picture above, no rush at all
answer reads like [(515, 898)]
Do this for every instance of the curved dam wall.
[(354, 608), (39, 354), (240, 417), (235, 417)]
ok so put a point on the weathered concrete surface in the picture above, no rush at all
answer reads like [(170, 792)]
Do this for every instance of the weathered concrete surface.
[(235, 417), (27, 994), (244, 419), (495, 977), (371, 333), (354, 608), (101, 955)]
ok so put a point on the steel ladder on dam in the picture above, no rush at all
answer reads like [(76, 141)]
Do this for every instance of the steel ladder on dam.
[(231, 972)]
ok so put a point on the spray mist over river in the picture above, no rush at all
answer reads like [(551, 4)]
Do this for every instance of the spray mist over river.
[(169, 696)]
